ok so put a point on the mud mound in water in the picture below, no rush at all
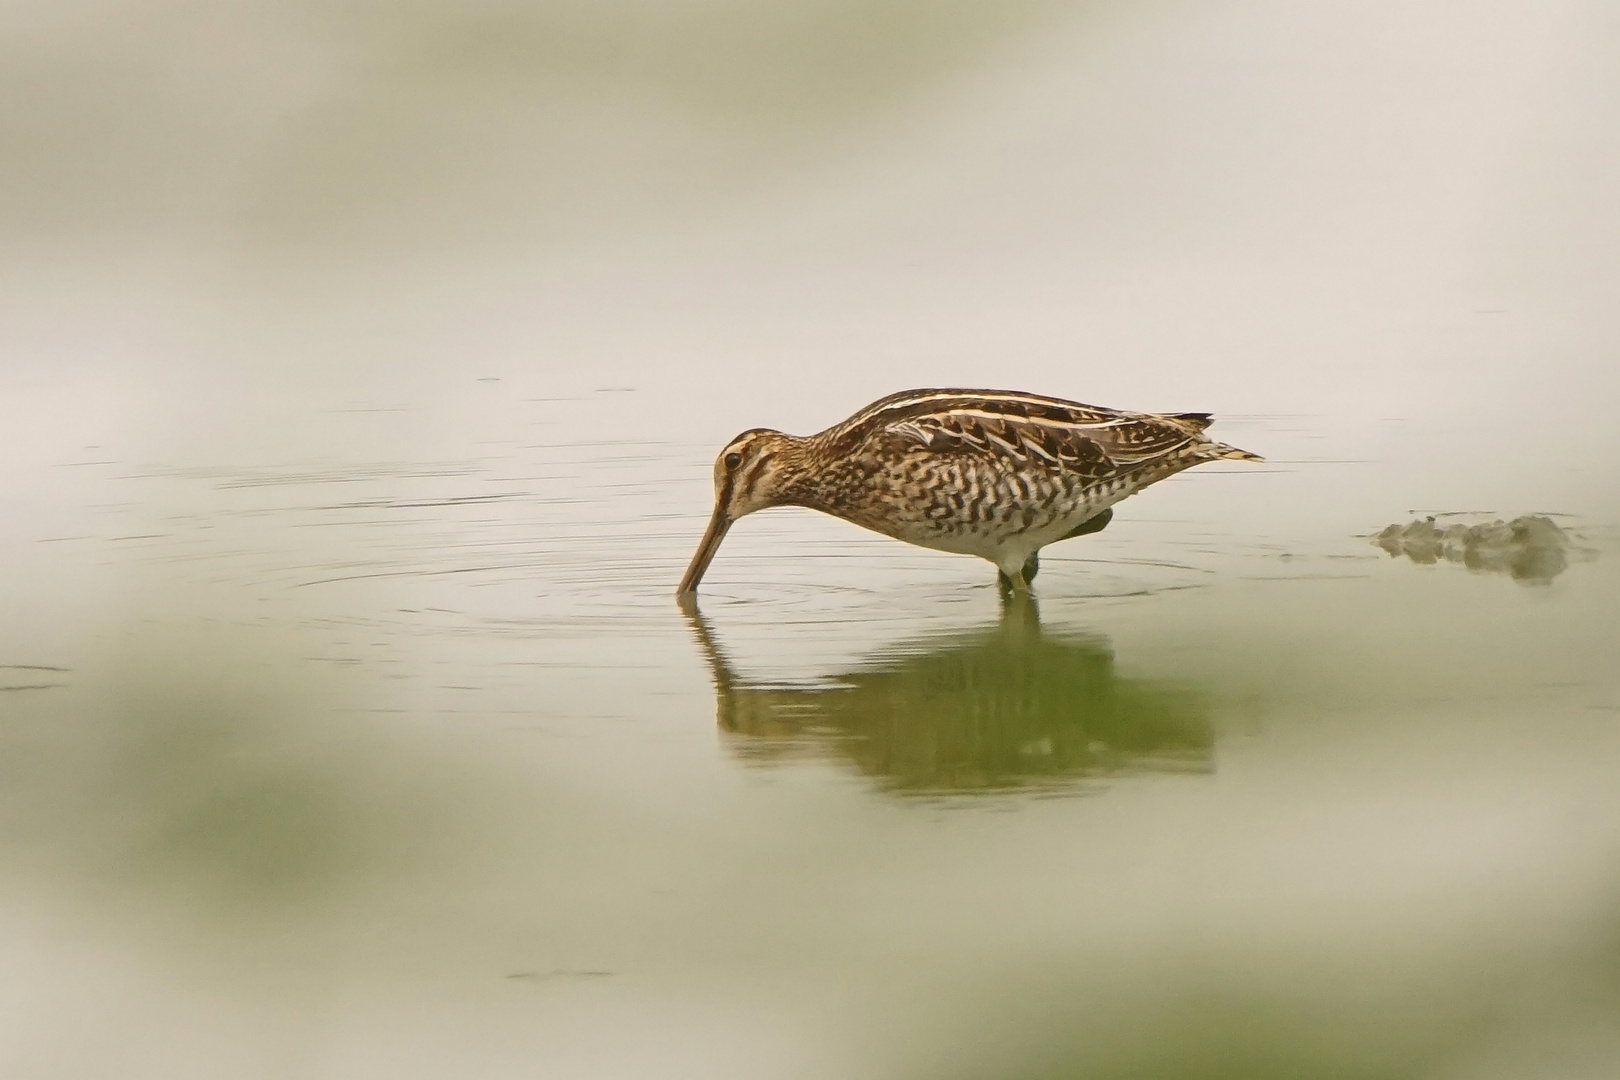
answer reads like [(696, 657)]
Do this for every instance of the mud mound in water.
[(1532, 549)]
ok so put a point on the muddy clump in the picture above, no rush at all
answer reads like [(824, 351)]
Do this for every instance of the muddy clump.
[(1531, 549)]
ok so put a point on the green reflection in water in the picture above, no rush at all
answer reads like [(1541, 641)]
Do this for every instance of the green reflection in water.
[(990, 709)]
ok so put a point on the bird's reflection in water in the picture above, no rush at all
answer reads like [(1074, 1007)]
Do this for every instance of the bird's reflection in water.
[(1000, 707)]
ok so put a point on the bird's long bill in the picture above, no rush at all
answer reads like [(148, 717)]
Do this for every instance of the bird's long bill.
[(716, 532)]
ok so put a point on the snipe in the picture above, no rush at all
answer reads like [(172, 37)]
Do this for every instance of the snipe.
[(993, 473)]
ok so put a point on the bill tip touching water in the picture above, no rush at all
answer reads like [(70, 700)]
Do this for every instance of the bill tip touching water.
[(998, 474)]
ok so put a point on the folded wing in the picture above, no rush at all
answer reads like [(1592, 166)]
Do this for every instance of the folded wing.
[(1025, 431)]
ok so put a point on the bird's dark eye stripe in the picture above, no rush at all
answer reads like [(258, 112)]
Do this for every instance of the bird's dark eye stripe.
[(733, 460)]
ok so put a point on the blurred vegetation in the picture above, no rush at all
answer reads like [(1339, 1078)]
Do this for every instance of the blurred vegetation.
[(571, 115), (1238, 1039), (212, 785), (359, 121), (793, 61)]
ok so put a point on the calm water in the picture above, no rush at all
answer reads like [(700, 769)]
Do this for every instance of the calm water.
[(349, 728)]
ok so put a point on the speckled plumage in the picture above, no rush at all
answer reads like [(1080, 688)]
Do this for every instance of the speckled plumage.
[(993, 473)]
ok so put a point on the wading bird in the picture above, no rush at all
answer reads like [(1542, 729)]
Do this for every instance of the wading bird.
[(993, 473)]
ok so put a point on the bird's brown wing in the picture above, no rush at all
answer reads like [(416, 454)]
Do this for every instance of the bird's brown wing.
[(1024, 431)]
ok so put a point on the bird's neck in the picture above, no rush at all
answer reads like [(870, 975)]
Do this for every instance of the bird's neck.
[(796, 471)]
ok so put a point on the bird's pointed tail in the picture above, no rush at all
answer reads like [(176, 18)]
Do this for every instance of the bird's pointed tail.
[(1223, 452)]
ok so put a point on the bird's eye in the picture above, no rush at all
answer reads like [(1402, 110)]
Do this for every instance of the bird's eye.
[(733, 460)]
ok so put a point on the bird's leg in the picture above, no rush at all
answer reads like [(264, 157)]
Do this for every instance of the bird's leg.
[(1018, 581)]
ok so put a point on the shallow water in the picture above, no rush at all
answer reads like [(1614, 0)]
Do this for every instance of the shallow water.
[(348, 725)]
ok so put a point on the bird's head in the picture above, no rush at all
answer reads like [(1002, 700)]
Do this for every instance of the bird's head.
[(752, 473)]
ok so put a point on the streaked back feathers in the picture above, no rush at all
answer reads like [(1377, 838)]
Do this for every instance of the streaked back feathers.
[(1037, 430)]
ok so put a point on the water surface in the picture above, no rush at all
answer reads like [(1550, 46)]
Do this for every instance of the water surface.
[(348, 725)]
